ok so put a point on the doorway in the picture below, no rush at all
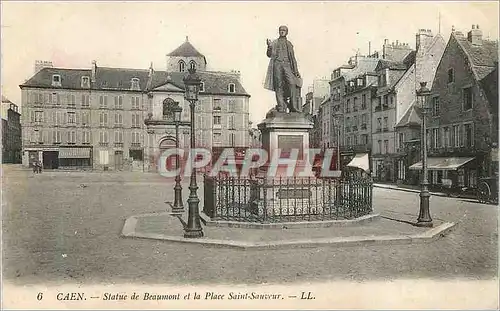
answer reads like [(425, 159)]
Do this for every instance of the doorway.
[(50, 159), (118, 160)]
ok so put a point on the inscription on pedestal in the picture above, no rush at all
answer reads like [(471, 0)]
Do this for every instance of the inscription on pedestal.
[(294, 194), (288, 142)]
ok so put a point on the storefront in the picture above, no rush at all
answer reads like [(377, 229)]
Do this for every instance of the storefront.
[(452, 171), (75, 158)]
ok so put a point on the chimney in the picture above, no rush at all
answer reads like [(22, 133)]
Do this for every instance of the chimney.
[(475, 36), (40, 64), (94, 71), (423, 36), (151, 70)]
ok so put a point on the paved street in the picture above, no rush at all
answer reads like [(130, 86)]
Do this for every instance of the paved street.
[(66, 226)]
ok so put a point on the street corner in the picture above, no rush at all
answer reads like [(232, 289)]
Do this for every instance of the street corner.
[(380, 231)]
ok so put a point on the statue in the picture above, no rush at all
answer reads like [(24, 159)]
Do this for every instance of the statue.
[(282, 74)]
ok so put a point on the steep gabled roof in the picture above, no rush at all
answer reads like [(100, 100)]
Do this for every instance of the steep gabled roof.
[(412, 117), (186, 50), (482, 57)]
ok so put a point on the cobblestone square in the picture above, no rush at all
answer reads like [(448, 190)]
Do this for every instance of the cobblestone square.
[(66, 226)]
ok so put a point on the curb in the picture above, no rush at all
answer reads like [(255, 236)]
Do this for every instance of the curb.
[(129, 231), (439, 194)]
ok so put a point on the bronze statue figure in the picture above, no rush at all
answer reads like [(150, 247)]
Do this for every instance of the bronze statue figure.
[(282, 74)]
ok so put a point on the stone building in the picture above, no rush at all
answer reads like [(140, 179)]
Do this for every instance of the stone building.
[(11, 132), (95, 118), (463, 124)]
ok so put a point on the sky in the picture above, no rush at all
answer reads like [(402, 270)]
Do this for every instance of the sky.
[(232, 35)]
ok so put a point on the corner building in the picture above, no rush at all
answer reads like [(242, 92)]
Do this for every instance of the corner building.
[(121, 119)]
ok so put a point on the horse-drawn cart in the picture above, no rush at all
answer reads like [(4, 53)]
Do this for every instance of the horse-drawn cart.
[(487, 190)]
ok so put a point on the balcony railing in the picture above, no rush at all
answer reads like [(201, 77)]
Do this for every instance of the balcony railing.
[(103, 144), (119, 145), (135, 145), (378, 108), (363, 126)]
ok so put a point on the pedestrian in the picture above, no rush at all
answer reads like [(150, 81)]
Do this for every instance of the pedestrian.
[(39, 167)]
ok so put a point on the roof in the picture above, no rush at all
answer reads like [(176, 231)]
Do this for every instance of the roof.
[(390, 64), (214, 82), (186, 50), (120, 79), (412, 117), (482, 57), (364, 65), (70, 78)]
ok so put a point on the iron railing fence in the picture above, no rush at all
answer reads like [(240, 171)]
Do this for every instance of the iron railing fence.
[(269, 200)]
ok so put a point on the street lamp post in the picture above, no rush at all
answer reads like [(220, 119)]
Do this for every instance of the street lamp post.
[(178, 207), (424, 217), (193, 228)]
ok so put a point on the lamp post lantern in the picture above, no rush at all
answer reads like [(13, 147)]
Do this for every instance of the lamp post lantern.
[(178, 207), (424, 217), (193, 228)]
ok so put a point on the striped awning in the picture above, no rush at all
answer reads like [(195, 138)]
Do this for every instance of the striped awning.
[(74, 153), (446, 164)]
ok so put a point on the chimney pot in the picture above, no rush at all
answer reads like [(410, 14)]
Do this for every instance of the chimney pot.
[(473, 27), (477, 26)]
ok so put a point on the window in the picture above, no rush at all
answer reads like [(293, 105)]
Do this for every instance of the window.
[(55, 99), (429, 139), (451, 75), (85, 100), (56, 80), (401, 140), (468, 97), (71, 118), (85, 82), (386, 101), (217, 138), (386, 146), (38, 116), (182, 66), (360, 81), (355, 119), (461, 181), (468, 135), (364, 139), (231, 88), (472, 178), (435, 106), (85, 118), (136, 138), (436, 141), (232, 139), (86, 137), (202, 87), (103, 101), (363, 101), (134, 84), (386, 123), (348, 106), (379, 124), (355, 140), (118, 119), (456, 135), (119, 102), (217, 104), (136, 104), (58, 118), (136, 120), (72, 137), (56, 137), (355, 104), (118, 137), (71, 100), (103, 119), (217, 120), (446, 137), (231, 122), (192, 65), (103, 137), (380, 146), (34, 136)]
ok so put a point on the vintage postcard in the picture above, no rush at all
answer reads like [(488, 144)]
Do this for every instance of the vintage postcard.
[(249, 155)]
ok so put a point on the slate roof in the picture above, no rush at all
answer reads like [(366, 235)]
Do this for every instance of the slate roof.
[(119, 79), (214, 82), (412, 117), (482, 57), (365, 64), (392, 65), (186, 50), (70, 78)]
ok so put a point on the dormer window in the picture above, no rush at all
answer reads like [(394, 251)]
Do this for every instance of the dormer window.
[(85, 82), (202, 87), (182, 66), (56, 80), (135, 84), (231, 88), (192, 64)]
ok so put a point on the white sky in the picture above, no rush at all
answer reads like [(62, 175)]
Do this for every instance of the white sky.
[(231, 35)]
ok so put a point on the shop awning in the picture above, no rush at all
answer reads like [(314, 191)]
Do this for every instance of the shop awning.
[(447, 164), (74, 153), (361, 161)]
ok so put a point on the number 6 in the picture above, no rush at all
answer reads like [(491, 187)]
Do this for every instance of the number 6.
[(39, 296)]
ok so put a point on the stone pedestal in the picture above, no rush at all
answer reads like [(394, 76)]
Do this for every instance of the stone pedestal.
[(285, 132)]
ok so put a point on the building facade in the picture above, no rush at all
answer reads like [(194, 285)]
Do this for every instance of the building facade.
[(462, 132), (95, 118), (11, 132)]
